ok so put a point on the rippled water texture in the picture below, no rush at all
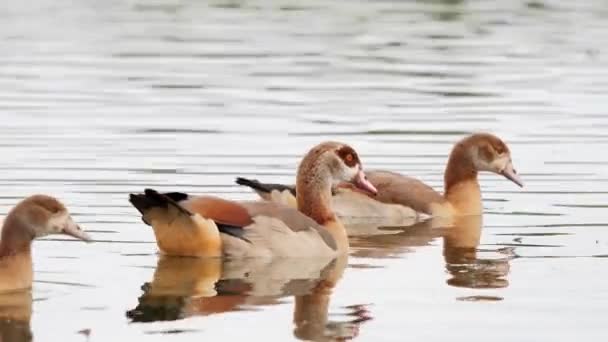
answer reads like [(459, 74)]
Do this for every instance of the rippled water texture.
[(102, 98)]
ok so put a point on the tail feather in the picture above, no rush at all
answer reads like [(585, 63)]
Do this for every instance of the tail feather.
[(150, 200), (140, 202), (166, 200), (152, 204), (176, 196), (252, 183), (264, 187)]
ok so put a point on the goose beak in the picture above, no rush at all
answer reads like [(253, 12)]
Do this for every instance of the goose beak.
[(74, 230), (509, 173), (361, 182)]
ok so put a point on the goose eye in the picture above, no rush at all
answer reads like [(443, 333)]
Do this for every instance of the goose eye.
[(348, 156)]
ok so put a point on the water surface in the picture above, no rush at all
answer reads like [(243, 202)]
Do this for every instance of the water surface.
[(102, 98)]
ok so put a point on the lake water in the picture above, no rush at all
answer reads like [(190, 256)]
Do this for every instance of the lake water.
[(102, 98)]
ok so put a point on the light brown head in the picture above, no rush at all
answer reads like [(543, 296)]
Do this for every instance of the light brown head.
[(37, 216), (333, 163), (325, 166), (480, 152)]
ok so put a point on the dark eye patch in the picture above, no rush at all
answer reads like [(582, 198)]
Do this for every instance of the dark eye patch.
[(348, 155), (53, 207), (485, 152), (497, 145)]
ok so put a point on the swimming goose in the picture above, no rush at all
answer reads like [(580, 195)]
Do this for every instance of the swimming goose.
[(35, 216), (462, 194), (186, 225)]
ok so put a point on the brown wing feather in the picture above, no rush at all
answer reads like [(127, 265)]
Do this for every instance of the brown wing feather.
[(399, 189), (241, 214), (218, 210)]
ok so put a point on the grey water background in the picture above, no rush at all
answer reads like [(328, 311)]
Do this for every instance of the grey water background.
[(102, 98)]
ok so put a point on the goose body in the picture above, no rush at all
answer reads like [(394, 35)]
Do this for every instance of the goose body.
[(399, 195), (209, 226)]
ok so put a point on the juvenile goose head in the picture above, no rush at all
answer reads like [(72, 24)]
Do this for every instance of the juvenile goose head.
[(480, 152), (477, 152), (33, 217), (491, 154)]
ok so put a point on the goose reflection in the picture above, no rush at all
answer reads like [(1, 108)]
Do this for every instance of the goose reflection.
[(391, 239), (461, 238), (461, 254), (184, 287), (311, 311), (15, 316)]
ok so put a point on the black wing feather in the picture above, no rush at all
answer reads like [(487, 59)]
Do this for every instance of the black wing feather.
[(264, 187)]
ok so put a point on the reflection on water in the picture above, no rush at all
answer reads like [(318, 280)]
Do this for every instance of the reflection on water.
[(184, 287), (15, 331), (466, 265), (102, 98), (462, 260), (15, 316), (311, 311), (392, 241)]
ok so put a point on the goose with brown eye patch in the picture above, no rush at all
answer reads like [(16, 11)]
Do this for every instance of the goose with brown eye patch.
[(400, 195), (187, 225), (34, 217), (354, 171)]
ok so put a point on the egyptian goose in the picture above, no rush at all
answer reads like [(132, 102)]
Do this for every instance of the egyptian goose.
[(186, 225), (35, 216), (462, 194)]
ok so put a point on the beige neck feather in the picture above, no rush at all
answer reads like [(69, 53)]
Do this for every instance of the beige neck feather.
[(15, 238), (313, 188), (461, 186)]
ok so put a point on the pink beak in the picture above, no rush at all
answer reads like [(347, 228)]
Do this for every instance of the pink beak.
[(510, 174), (361, 182), (74, 230)]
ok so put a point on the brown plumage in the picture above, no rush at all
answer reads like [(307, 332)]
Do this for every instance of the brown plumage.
[(209, 226), (220, 210), (462, 194), (390, 187), (35, 216)]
